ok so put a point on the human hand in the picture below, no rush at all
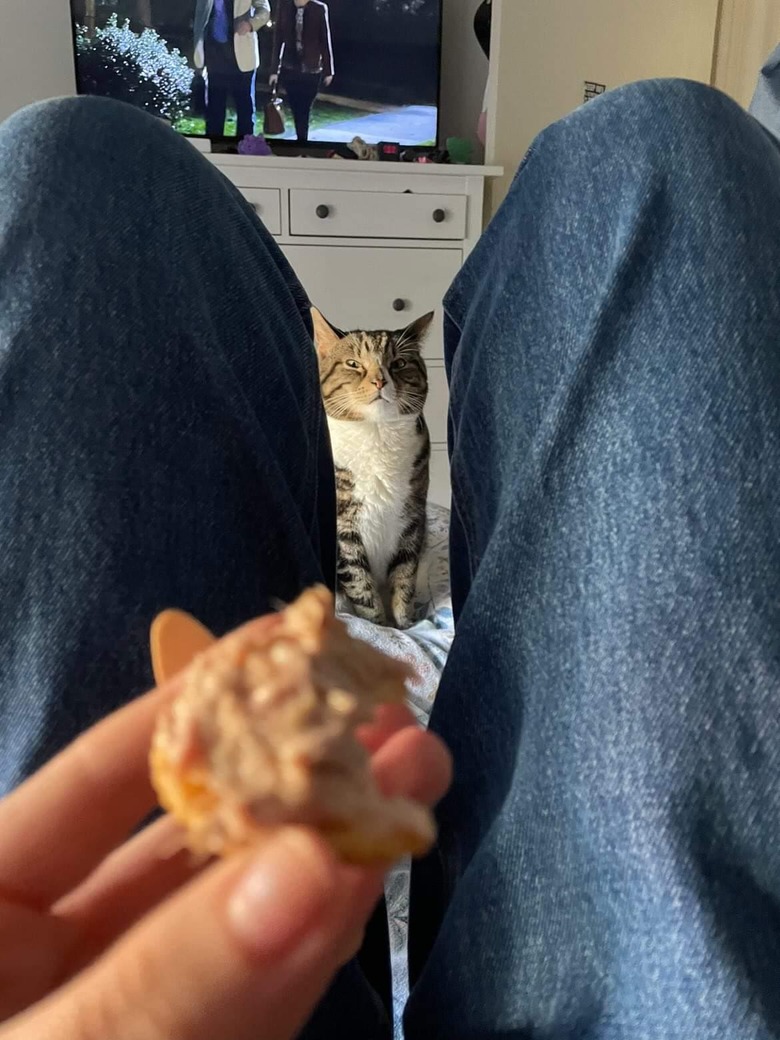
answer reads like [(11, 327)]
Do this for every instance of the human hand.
[(244, 27), (273, 79), (134, 940), (327, 81)]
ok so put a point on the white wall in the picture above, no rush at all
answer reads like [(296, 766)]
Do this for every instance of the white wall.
[(545, 50), (36, 57)]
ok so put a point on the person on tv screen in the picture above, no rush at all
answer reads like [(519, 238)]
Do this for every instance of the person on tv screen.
[(302, 56), (226, 44)]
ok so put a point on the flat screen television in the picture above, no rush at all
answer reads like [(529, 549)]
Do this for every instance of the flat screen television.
[(338, 69)]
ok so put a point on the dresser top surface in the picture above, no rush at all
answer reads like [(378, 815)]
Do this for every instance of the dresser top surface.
[(350, 167)]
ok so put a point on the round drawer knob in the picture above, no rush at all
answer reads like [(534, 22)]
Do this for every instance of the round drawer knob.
[(322, 212), (399, 305), (439, 216)]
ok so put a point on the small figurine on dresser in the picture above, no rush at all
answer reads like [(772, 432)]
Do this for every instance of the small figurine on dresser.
[(364, 151), (254, 144)]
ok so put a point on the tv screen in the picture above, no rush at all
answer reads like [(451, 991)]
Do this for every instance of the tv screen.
[(332, 70)]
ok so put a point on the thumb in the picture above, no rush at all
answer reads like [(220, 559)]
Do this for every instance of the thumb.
[(247, 950)]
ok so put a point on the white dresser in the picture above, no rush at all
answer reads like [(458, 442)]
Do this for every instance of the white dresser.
[(375, 246)]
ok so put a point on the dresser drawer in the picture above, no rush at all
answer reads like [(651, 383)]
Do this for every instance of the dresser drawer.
[(437, 405), (357, 287), (267, 204), (376, 214)]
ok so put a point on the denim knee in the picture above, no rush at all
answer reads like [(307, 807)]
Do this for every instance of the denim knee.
[(661, 126), (84, 146), (689, 107), (62, 120)]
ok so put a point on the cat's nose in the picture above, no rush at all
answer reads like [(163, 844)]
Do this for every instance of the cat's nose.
[(379, 382)]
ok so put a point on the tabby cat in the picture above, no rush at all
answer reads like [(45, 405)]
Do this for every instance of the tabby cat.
[(374, 386)]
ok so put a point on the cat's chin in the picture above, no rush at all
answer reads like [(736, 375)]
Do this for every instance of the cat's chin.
[(381, 410)]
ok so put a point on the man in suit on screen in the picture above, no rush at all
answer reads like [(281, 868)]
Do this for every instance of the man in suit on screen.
[(226, 45)]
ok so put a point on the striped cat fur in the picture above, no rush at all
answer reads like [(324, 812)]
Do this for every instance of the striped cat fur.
[(374, 387)]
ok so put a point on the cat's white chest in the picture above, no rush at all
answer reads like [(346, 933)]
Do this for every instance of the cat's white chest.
[(380, 457)]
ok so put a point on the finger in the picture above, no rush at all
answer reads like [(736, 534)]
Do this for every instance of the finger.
[(128, 884), (33, 949), (244, 951), (85, 801), (414, 764), (79, 806), (146, 870), (389, 719)]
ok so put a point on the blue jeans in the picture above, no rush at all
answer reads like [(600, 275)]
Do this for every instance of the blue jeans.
[(609, 867)]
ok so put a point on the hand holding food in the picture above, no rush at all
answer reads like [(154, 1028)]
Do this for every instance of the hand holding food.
[(105, 935)]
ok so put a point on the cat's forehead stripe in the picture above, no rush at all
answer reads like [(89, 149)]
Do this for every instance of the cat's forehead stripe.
[(367, 345)]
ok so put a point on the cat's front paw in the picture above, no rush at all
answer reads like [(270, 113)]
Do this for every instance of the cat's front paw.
[(402, 604), (404, 619), (374, 613)]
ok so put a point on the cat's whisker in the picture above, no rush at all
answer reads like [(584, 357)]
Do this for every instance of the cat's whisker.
[(403, 341), (339, 411)]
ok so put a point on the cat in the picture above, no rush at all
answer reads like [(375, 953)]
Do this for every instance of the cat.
[(374, 387)]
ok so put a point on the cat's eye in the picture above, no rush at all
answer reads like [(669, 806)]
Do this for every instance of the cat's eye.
[(350, 363), (398, 364)]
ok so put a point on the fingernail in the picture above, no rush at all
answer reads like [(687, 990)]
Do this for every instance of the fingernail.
[(285, 892)]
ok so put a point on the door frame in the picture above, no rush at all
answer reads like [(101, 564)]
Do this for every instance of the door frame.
[(748, 31)]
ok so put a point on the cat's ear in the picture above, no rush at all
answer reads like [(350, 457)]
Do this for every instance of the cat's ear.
[(418, 330), (325, 336)]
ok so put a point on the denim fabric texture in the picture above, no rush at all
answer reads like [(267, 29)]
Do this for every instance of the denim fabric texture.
[(611, 865), (161, 432)]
